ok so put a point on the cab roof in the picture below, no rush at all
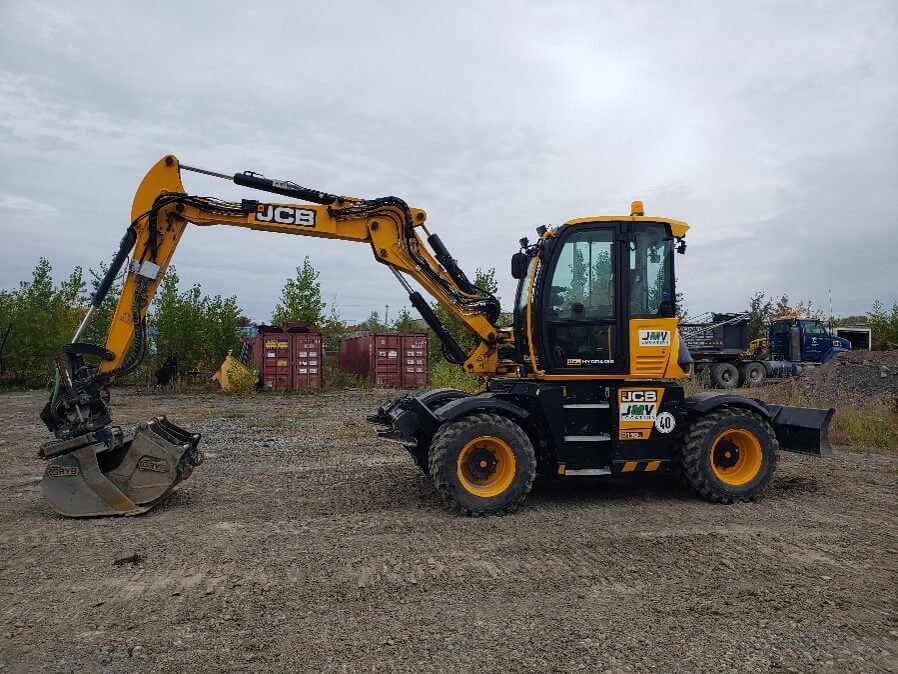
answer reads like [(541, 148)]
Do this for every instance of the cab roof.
[(677, 227)]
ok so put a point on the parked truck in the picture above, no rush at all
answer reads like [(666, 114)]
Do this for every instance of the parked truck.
[(720, 347)]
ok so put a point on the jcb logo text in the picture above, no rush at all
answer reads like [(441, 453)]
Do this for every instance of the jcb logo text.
[(285, 215)]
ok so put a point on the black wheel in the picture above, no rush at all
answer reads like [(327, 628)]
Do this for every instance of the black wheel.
[(420, 451), (752, 375), (724, 375), (482, 464), (728, 455)]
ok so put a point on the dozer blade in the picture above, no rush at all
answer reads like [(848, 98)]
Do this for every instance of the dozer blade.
[(802, 429), (115, 473)]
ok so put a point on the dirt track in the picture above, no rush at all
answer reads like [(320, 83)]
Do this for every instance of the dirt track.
[(307, 544)]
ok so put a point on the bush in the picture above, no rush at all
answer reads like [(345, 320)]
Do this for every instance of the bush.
[(242, 382), (447, 375), (40, 317)]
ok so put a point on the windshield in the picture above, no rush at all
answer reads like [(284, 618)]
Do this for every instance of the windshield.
[(651, 272), (813, 328)]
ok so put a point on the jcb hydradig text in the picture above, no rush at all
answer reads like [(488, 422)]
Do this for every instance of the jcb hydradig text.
[(584, 383)]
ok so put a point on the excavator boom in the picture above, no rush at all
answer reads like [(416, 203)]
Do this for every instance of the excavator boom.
[(97, 468)]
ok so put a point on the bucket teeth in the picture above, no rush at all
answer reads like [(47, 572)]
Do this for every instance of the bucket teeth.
[(120, 473)]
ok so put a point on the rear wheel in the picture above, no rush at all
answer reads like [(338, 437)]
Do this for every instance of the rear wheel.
[(729, 455), (752, 374), (724, 375), (482, 464)]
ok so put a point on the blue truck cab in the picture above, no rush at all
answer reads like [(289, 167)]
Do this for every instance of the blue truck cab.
[(803, 340)]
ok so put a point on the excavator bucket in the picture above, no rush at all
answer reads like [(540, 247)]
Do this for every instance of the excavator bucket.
[(116, 473)]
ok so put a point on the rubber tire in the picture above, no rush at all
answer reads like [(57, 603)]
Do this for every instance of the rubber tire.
[(447, 444), (420, 453), (695, 455), (721, 370), (747, 380)]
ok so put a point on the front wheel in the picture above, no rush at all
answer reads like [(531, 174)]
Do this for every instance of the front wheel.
[(729, 455), (482, 464)]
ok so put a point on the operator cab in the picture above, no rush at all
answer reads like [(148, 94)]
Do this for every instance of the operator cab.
[(583, 282)]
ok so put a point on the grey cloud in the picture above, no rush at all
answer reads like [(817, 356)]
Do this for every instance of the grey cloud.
[(770, 127)]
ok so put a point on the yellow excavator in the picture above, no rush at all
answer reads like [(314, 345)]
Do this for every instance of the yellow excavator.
[(584, 383)]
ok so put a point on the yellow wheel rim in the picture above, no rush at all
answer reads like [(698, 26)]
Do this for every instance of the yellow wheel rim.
[(736, 456), (486, 466)]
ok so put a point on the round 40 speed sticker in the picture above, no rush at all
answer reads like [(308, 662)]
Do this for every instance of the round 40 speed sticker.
[(665, 422)]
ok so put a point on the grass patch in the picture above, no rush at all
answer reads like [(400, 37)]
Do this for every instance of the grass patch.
[(447, 375), (870, 424), (857, 425)]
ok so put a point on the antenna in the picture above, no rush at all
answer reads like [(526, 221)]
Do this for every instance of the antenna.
[(830, 293)]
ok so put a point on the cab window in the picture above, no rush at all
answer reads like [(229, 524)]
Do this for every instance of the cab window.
[(583, 282), (580, 302), (814, 328), (651, 272)]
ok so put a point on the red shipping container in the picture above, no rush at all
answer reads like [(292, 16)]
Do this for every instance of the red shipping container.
[(389, 361), (287, 360)]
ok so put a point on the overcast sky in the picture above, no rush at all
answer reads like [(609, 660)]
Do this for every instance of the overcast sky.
[(772, 128)]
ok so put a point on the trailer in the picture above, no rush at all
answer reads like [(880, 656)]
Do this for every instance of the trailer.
[(720, 348)]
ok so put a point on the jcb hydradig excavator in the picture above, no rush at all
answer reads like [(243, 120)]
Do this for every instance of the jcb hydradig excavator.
[(585, 383)]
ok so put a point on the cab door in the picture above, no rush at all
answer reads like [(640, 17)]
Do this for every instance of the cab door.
[(814, 341), (580, 303)]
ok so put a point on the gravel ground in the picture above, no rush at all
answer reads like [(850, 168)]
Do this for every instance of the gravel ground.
[(305, 543)]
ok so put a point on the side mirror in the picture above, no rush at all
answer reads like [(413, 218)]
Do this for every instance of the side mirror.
[(520, 262)]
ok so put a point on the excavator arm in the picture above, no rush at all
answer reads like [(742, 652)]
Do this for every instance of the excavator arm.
[(78, 410), (162, 210)]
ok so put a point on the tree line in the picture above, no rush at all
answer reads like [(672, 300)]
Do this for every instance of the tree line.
[(41, 315)]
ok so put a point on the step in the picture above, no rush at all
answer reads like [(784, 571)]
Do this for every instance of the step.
[(588, 471), (601, 437), (587, 406)]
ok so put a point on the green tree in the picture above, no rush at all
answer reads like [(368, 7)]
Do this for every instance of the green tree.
[(43, 316), (333, 331), (760, 311), (198, 330), (99, 325), (301, 297), (484, 279), (372, 324), (221, 322), (883, 325), (404, 322), (783, 307)]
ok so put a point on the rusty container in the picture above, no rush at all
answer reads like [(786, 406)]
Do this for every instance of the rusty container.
[(287, 358), (388, 360)]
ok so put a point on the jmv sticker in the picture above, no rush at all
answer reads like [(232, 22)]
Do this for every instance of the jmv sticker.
[(638, 405), (654, 338)]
